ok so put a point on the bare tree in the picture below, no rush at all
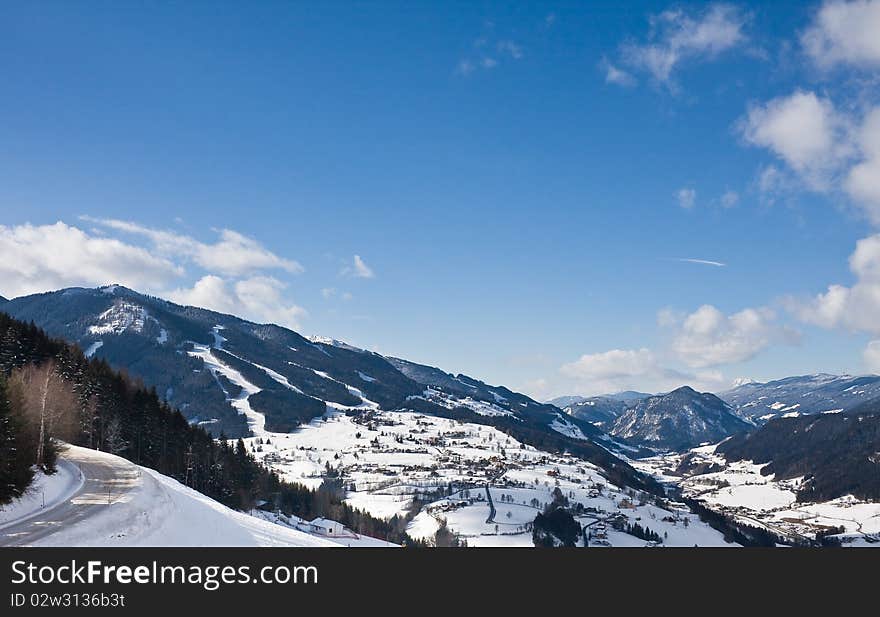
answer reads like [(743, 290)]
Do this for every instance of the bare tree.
[(50, 406), (113, 437)]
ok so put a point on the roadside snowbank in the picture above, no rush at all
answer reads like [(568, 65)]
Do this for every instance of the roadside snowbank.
[(44, 493)]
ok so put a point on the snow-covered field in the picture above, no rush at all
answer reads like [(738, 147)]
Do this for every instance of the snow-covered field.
[(739, 490)]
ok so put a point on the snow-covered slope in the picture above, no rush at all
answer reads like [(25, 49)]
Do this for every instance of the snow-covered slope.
[(122, 504)]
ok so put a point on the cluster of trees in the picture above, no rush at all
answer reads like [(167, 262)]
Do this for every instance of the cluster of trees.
[(555, 526), (634, 529), (50, 391)]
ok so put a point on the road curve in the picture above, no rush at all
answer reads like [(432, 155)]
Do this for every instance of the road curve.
[(106, 481)]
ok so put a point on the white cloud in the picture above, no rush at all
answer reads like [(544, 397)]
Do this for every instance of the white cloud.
[(331, 292), (845, 33), (863, 181), (489, 52), (358, 269), (262, 296), (209, 292), (853, 308), (824, 149), (686, 197), (871, 356), (233, 254), (729, 199), (612, 364), (510, 48), (707, 337), (258, 298), (803, 130), (677, 36), (615, 75), (47, 257), (624, 369)]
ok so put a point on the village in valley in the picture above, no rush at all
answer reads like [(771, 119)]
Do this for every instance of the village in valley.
[(467, 484)]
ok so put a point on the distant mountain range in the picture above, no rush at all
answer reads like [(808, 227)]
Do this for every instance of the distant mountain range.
[(626, 396), (226, 374), (678, 420), (801, 395)]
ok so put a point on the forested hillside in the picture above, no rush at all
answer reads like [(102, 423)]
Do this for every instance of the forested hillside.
[(50, 390), (837, 453)]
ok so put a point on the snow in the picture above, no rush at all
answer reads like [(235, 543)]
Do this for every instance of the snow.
[(563, 426), (256, 421), (93, 348), (44, 493), (218, 339), (163, 337), (451, 402), (760, 497), (347, 537), (423, 526), (741, 491), (365, 402), (386, 459), (120, 317), (366, 377), (156, 510)]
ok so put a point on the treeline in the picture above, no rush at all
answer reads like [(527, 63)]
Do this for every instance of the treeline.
[(50, 391)]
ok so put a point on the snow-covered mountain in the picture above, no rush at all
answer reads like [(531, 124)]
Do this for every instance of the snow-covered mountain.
[(627, 396), (240, 378), (678, 420), (801, 395), (600, 411)]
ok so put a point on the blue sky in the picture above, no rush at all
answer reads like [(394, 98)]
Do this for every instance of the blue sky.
[(511, 192)]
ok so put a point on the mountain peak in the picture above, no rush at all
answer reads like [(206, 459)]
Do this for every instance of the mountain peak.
[(680, 419)]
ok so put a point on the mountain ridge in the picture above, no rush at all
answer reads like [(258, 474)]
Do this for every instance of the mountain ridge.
[(801, 395), (228, 374)]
